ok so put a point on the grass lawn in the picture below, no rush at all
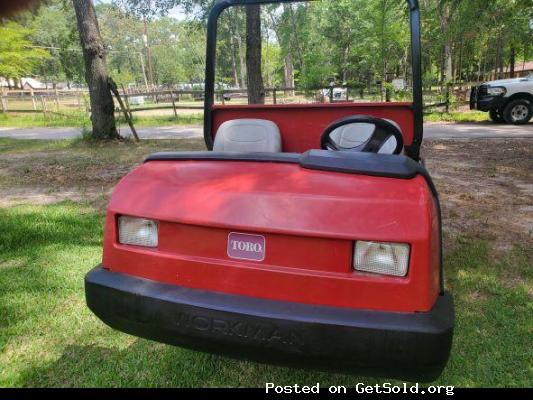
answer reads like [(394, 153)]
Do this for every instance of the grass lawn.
[(50, 120), (77, 119), (457, 116), (48, 337), (80, 120)]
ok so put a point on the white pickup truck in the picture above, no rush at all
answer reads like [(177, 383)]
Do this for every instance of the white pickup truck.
[(508, 100)]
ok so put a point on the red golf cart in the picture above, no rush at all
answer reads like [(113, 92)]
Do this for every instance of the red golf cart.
[(308, 235)]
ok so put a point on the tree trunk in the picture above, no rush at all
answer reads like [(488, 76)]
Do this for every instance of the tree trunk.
[(512, 62), (234, 63), (459, 70), (498, 67), (448, 62), (233, 58), (256, 89), (144, 72), (445, 25), (242, 62), (102, 106), (289, 73), (148, 55), (345, 55)]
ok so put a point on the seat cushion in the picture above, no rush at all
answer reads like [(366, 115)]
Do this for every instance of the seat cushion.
[(248, 135), (353, 135)]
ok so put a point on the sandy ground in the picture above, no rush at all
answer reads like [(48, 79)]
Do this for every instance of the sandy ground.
[(477, 130), (486, 186)]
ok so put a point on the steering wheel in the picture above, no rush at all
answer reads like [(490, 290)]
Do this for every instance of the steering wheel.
[(383, 130)]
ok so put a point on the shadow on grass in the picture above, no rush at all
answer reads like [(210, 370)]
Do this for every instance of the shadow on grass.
[(25, 230), (40, 248), (49, 338), (148, 364)]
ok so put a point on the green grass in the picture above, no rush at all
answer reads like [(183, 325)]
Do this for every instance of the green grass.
[(10, 145), (50, 120), (457, 116), (154, 121), (48, 337), (79, 120)]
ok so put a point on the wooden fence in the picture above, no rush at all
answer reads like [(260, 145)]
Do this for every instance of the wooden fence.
[(24, 101), (57, 101)]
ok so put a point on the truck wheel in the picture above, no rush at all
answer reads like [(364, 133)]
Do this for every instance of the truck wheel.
[(518, 112), (496, 116)]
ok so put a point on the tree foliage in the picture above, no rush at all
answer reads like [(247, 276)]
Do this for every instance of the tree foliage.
[(18, 57), (310, 45), (54, 28)]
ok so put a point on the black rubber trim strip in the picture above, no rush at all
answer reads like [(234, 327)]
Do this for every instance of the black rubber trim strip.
[(381, 165), (292, 158), (412, 346)]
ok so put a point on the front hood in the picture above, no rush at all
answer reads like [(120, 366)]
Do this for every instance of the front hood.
[(505, 82), (275, 197)]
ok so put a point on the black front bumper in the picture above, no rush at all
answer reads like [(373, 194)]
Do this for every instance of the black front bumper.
[(480, 100), (411, 346), (488, 103)]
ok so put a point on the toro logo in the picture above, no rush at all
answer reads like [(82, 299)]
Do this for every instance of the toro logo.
[(242, 246)]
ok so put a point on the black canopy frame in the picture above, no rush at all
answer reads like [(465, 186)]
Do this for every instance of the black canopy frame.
[(413, 151)]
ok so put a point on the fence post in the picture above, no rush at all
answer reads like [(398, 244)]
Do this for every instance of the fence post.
[(173, 104), (126, 100), (43, 102), (33, 99), (331, 94), (4, 104), (223, 97), (274, 96), (56, 99)]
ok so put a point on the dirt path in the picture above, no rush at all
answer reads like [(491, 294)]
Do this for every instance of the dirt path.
[(164, 132), (479, 130), (486, 188), (485, 185)]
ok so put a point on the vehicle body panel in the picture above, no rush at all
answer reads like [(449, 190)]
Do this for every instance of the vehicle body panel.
[(310, 220), (301, 125), (300, 302)]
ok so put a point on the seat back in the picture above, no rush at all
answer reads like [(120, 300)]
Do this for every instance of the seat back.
[(248, 136)]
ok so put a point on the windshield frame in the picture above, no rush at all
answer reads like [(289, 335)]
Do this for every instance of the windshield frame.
[(412, 151)]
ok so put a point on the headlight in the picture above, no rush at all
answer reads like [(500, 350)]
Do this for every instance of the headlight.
[(381, 258), (137, 231), (496, 91)]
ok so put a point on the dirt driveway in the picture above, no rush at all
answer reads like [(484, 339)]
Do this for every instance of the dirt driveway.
[(477, 130), (486, 186)]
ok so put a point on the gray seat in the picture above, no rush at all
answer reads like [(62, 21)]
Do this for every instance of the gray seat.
[(353, 135), (248, 136)]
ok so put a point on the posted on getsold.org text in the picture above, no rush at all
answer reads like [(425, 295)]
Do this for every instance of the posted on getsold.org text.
[(360, 388)]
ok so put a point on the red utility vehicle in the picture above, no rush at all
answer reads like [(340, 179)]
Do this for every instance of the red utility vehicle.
[(308, 235)]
